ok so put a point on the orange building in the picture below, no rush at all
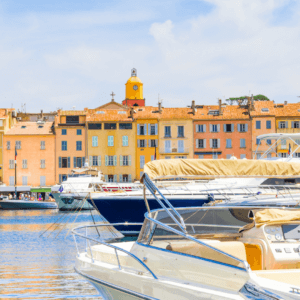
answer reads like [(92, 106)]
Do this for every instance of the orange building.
[(35, 146), (70, 148), (263, 121), (222, 131)]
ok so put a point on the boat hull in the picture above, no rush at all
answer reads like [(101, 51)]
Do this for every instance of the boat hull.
[(21, 204), (69, 203)]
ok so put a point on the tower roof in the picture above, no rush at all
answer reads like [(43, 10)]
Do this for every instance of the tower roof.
[(133, 79)]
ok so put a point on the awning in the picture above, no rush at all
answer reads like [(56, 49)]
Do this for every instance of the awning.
[(7, 189), (41, 190)]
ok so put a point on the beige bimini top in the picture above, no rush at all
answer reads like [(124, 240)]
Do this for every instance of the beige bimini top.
[(213, 168), (276, 216)]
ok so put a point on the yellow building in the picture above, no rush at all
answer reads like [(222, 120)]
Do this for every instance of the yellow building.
[(111, 142), (147, 137), (175, 131), (287, 121)]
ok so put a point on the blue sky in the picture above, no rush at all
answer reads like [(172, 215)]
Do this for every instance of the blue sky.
[(60, 54)]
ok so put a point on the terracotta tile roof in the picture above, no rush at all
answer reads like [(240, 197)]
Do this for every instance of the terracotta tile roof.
[(288, 110), (71, 112), (31, 128), (259, 105), (109, 115), (228, 112)]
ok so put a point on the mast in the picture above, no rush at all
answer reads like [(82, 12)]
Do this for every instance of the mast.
[(16, 171)]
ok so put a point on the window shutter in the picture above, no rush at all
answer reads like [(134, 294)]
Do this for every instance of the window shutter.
[(210, 127), (106, 178), (197, 143), (115, 178), (156, 129), (90, 160), (115, 160), (120, 178), (138, 143), (129, 178), (106, 160), (121, 160), (145, 129), (149, 129), (156, 143), (99, 160), (69, 162), (286, 124), (204, 128), (238, 127), (59, 178), (138, 129), (218, 143), (232, 127), (293, 124), (74, 162), (197, 128), (146, 143), (210, 143), (129, 160), (224, 127), (204, 143), (246, 127), (218, 126), (112, 140)]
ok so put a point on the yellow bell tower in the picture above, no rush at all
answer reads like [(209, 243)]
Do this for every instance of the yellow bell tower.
[(134, 91)]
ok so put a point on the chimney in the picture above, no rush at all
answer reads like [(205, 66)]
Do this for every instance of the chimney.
[(42, 114), (193, 107), (285, 102), (220, 107), (131, 113), (159, 107)]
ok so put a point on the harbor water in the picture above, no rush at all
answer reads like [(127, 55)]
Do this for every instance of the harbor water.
[(41, 267)]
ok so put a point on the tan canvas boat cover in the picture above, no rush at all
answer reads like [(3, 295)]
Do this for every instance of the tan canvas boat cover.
[(273, 216), (221, 167)]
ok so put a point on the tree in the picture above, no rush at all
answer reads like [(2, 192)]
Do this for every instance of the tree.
[(244, 99)]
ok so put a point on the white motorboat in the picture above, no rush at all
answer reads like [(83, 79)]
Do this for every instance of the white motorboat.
[(198, 253)]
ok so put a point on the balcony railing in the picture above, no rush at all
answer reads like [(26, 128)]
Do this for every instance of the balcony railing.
[(173, 150)]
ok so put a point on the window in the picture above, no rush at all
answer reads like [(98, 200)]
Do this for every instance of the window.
[(8, 145), (265, 110), (64, 162), (43, 145), (282, 155), (214, 127), (297, 154), (110, 126), (94, 126), (258, 156), (78, 145), (152, 129), (213, 112), (295, 124), (124, 126), (201, 143), (95, 161), (283, 124), (64, 132), (43, 163), (124, 178), (64, 145), (153, 143), (257, 124), (142, 161), (24, 163), (110, 141), (228, 127), (11, 180), (42, 180), (167, 131), (201, 128), (124, 140), (258, 141), (182, 157), (78, 162), (228, 156), (228, 143), (180, 131), (269, 142), (201, 156), (268, 124), (11, 163), (79, 132), (242, 156), (141, 129), (125, 160), (110, 160), (283, 144), (242, 127), (214, 143), (167, 157), (215, 156), (94, 141), (142, 143), (24, 180), (242, 143), (62, 177), (110, 178), (269, 155), (167, 146), (72, 119), (297, 141), (180, 146), (18, 144)]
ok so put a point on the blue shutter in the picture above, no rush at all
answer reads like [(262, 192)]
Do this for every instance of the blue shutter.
[(59, 162), (115, 178), (83, 161), (74, 162), (69, 162), (60, 178), (129, 178), (120, 178), (246, 127), (138, 129), (156, 129)]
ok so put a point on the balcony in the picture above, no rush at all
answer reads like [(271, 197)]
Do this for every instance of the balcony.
[(173, 150)]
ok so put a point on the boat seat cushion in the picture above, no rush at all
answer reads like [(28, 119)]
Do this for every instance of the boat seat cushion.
[(233, 248)]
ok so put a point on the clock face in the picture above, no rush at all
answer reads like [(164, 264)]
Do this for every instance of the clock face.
[(135, 87)]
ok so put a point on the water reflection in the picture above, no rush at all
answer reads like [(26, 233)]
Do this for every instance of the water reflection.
[(35, 267)]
